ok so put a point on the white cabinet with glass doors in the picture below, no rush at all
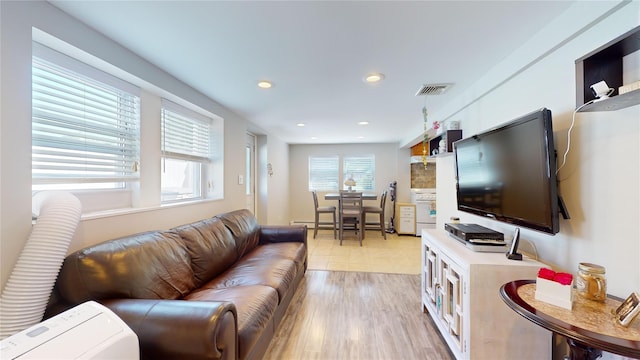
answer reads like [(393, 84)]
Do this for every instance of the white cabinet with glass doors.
[(460, 291)]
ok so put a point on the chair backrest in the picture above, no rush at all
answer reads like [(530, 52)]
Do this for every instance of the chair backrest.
[(315, 199), (383, 199), (350, 202)]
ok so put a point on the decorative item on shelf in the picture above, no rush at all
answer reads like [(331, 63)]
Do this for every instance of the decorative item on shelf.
[(439, 127), (425, 138), (629, 87), (628, 310), (350, 183), (554, 288), (601, 90), (591, 282)]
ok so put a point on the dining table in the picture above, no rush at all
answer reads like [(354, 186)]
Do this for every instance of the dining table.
[(365, 196)]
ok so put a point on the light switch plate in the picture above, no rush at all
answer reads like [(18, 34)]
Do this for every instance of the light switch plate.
[(240, 180)]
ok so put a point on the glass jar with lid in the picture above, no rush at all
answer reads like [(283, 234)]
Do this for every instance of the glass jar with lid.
[(591, 282)]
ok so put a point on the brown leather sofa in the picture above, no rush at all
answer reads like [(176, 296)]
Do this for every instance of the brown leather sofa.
[(214, 289)]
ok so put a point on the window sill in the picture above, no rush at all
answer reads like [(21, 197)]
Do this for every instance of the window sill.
[(127, 211)]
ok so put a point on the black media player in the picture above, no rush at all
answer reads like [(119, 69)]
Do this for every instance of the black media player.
[(470, 232)]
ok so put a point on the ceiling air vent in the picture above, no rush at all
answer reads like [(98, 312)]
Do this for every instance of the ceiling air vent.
[(433, 89)]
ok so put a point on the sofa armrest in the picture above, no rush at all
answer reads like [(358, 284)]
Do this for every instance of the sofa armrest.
[(275, 234), (180, 329)]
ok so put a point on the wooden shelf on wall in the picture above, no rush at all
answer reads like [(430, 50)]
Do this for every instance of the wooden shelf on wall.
[(630, 98), (416, 150), (605, 63), (433, 143), (450, 136)]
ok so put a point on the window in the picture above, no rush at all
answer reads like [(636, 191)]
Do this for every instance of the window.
[(323, 173), (85, 125), (361, 169), (186, 152)]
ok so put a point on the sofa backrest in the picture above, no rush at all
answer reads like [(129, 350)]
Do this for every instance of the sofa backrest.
[(150, 265), (165, 264), (245, 229), (211, 246)]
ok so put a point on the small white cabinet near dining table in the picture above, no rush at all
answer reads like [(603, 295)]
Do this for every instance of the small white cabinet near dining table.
[(406, 223)]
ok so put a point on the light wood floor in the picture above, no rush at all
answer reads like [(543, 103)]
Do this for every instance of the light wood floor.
[(359, 303), (398, 254), (338, 315)]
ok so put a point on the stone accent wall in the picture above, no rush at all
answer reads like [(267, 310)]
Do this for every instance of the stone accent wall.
[(422, 177)]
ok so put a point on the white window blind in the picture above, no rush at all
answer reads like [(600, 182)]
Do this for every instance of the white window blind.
[(362, 169), (186, 152), (323, 173), (186, 134), (83, 130)]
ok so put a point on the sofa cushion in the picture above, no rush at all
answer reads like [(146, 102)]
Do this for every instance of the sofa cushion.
[(151, 265), (295, 251), (279, 274), (255, 306), (211, 246), (245, 229)]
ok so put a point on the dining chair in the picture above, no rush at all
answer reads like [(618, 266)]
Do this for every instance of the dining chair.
[(380, 212), (350, 214), (323, 210)]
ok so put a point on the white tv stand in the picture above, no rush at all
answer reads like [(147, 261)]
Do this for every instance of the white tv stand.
[(460, 291)]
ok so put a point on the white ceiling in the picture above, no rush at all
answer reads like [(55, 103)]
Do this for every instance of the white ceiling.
[(317, 52)]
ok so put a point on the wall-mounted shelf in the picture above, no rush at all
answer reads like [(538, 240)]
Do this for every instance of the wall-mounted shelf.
[(605, 63), (449, 136), (614, 103)]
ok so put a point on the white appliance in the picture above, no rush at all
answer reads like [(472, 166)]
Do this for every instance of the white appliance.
[(87, 331), (425, 201)]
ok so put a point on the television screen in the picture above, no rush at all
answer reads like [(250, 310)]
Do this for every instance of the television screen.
[(508, 173)]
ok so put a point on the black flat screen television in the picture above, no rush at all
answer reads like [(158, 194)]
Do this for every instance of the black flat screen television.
[(509, 173)]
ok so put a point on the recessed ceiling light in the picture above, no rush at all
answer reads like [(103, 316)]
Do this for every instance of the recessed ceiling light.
[(374, 77), (314, 138), (300, 124), (264, 84), (360, 137), (363, 123)]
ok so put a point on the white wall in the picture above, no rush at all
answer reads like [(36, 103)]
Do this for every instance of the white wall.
[(389, 166), (278, 184), (17, 20), (600, 183)]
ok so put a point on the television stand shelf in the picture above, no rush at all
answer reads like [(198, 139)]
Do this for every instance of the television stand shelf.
[(461, 293)]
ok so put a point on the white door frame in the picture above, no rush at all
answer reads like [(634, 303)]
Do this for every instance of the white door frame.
[(250, 172)]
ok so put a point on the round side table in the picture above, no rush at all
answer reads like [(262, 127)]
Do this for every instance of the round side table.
[(589, 327)]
